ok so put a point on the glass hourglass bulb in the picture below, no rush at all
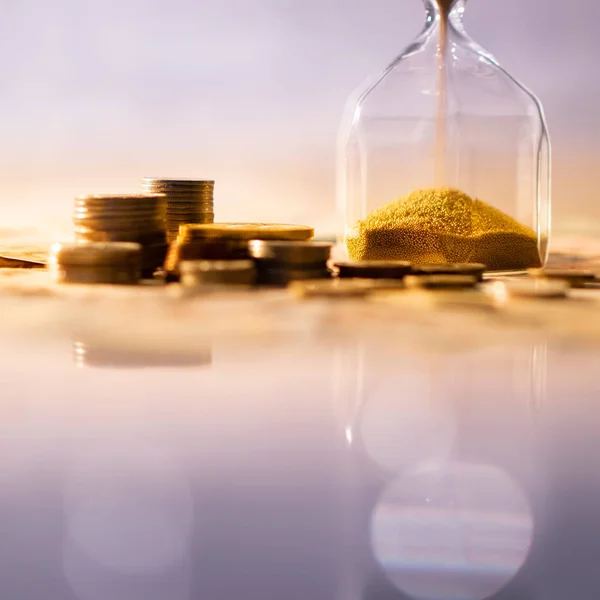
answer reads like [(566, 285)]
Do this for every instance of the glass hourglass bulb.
[(445, 157)]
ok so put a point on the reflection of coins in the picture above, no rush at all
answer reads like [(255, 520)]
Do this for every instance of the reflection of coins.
[(475, 269), (217, 272), (575, 278), (91, 262), (440, 282), (90, 355), (374, 269), (247, 231)]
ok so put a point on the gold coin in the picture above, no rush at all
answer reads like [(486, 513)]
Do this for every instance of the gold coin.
[(95, 253), (333, 288), (97, 274), (374, 269), (288, 252), (440, 282), (248, 231), (536, 288), (575, 278), (475, 269)]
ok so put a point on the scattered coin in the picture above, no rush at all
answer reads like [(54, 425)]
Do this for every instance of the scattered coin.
[(475, 269), (282, 276), (217, 272), (440, 282), (536, 288), (374, 269), (575, 278), (332, 288)]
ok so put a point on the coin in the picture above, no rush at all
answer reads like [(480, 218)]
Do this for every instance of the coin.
[(332, 288), (575, 278), (292, 253), (217, 272), (248, 231), (90, 262), (153, 182), (374, 269), (119, 226), (440, 282), (278, 276), (475, 269), (120, 202), (536, 288), (94, 253), (102, 274), (139, 237)]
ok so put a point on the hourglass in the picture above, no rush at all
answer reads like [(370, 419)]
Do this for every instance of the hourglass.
[(445, 157)]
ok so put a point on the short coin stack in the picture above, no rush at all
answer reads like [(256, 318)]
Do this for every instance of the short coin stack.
[(96, 262), (124, 218), (281, 262), (226, 241), (188, 201), (210, 273)]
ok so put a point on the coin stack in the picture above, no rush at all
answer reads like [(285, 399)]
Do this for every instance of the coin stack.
[(203, 273), (96, 262), (281, 262), (188, 201), (225, 241), (125, 218)]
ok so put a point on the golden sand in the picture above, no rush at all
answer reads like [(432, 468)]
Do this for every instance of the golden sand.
[(444, 225)]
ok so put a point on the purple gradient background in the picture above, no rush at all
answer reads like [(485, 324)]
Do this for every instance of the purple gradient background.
[(96, 95)]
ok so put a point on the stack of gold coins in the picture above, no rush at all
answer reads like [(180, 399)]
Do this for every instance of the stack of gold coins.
[(125, 218), (202, 273), (226, 241), (188, 201), (96, 262), (281, 262)]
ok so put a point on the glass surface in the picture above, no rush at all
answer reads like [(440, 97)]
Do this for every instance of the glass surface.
[(486, 129)]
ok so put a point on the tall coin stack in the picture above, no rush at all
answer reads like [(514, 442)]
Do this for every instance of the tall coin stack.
[(188, 201), (136, 218), (281, 262)]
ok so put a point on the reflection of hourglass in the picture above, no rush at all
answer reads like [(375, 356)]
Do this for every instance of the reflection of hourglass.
[(447, 472), (445, 113)]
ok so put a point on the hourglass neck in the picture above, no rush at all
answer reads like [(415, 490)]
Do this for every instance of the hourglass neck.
[(456, 9)]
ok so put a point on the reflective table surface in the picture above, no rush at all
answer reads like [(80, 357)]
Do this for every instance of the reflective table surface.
[(261, 448)]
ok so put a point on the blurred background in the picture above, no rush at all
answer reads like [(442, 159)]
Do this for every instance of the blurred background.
[(97, 94)]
